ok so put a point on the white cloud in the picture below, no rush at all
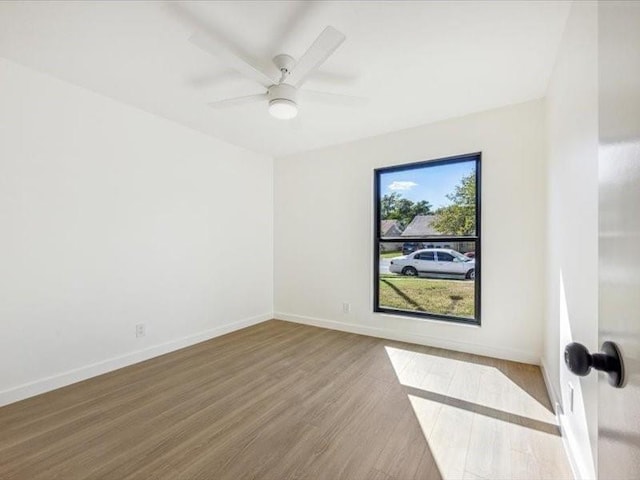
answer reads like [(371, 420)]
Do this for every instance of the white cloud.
[(402, 185)]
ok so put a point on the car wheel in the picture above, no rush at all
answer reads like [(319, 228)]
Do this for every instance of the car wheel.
[(410, 271), (471, 274)]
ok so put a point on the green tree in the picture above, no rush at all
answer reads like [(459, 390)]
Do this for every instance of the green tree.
[(459, 218), (394, 207), (388, 205)]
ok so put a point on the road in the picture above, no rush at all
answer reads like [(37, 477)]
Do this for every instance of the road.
[(384, 265)]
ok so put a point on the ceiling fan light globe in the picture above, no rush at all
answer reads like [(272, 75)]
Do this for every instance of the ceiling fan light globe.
[(283, 109)]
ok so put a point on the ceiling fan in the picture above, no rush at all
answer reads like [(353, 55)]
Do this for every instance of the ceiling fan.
[(283, 92)]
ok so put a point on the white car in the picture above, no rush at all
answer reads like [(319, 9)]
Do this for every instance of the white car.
[(434, 261)]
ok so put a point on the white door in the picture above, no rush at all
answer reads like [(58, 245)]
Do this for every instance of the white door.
[(425, 262), (447, 264), (619, 231)]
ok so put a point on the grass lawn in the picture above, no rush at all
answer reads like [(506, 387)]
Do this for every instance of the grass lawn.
[(448, 297), (395, 253)]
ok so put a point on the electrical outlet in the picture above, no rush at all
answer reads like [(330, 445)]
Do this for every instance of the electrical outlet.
[(140, 330), (346, 307)]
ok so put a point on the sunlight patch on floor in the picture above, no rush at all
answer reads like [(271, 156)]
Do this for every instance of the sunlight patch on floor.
[(478, 422), (482, 384)]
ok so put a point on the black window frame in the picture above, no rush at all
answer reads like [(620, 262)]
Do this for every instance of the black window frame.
[(378, 239)]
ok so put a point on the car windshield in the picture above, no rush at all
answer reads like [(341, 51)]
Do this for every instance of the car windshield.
[(460, 257)]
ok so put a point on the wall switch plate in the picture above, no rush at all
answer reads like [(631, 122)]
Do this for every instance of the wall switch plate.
[(571, 398), (346, 307), (140, 330)]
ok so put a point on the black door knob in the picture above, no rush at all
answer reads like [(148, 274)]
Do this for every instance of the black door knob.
[(580, 361)]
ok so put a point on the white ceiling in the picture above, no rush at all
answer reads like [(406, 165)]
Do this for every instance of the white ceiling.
[(417, 62)]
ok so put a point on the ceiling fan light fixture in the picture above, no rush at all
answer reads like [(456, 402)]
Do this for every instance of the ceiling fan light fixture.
[(283, 109)]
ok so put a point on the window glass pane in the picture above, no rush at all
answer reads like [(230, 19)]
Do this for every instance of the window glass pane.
[(416, 284), (427, 238), (429, 200)]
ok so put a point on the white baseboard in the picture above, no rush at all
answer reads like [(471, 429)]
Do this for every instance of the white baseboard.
[(487, 351), (553, 394), (556, 401), (72, 376)]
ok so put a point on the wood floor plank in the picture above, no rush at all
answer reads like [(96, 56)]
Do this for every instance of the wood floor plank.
[(115, 415), (285, 401)]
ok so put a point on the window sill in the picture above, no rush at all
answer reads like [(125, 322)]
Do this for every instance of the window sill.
[(427, 317)]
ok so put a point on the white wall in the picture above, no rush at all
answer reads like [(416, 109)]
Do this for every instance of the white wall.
[(324, 232), (572, 274), (109, 217)]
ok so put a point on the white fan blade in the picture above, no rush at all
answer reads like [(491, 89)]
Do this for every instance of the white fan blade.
[(234, 60), (233, 102), (327, 43), (333, 98), (332, 79), (291, 25)]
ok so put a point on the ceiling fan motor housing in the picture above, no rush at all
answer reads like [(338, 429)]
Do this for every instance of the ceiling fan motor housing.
[(283, 91), (284, 62)]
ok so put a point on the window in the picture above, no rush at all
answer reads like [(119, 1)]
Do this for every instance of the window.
[(431, 268), (425, 256), (445, 257)]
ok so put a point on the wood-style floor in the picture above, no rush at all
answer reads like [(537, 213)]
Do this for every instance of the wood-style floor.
[(284, 401)]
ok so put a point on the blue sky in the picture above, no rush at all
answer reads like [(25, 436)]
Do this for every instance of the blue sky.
[(426, 183)]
